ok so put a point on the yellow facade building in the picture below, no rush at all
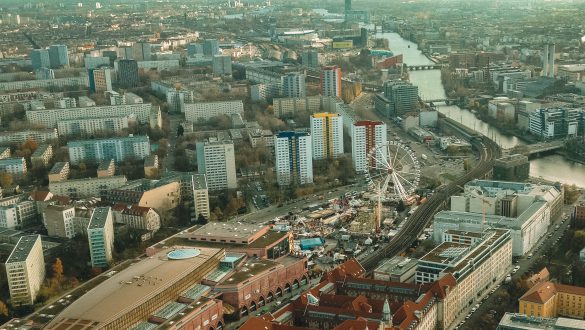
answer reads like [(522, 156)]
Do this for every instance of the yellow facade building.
[(548, 299)]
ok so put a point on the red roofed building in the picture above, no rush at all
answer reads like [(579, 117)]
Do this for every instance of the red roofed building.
[(548, 299), (137, 217)]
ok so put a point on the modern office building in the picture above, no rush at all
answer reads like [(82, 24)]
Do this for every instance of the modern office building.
[(327, 135), (556, 123), (128, 73), (118, 149), (15, 165), (94, 62), (293, 153), (311, 59), (44, 73), (100, 235), (58, 56), (523, 208), (365, 136), (40, 59), (331, 81), (293, 85), (194, 49), (548, 299), (512, 168), (397, 269), (202, 111), (141, 51), (216, 160), (516, 321), (403, 96), (25, 270), (176, 100), (100, 80), (210, 47), (222, 65)]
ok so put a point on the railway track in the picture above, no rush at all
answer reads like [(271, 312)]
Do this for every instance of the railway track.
[(416, 223)]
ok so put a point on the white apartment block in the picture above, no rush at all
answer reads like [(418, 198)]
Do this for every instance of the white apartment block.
[(100, 234), (200, 195), (39, 136), (16, 165), (216, 160), (327, 135), (331, 81), (365, 136), (293, 162), (90, 187), (158, 65), (117, 149), (42, 155), (293, 85), (59, 220), (25, 270), (44, 83), (8, 217), (50, 117), (87, 126), (203, 111), (59, 172)]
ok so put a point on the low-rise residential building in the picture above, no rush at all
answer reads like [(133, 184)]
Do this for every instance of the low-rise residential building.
[(25, 270), (4, 152), (16, 165), (203, 111), (100, 234), (137, 217), (19, 137), (89, 187), (162, 196), (151, 166), (263, 137), (59, 172), (106, 168), (42, 155)]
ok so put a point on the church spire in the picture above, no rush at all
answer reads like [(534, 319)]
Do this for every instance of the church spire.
[(387, 313)]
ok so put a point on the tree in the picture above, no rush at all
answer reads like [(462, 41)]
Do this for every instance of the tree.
[(201, 219), (58, 270), (6, 179), (3, 308)]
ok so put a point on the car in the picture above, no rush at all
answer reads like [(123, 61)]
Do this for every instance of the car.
[(516, 268), (467, 316), (473, 310), (514, 271)]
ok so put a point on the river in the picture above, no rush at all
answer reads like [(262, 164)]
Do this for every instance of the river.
[(550, 168)]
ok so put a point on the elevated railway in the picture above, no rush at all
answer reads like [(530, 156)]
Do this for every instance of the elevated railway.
[(423, 215)]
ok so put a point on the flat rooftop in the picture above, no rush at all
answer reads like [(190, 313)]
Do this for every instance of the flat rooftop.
[(251, 268), (234, 230), (58, 167), (131, 287), (99, 218), (397, 265), (23, 248)]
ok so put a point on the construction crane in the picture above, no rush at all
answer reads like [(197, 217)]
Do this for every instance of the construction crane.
[(31, 40)]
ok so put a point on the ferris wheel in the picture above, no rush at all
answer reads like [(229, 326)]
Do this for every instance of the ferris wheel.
[(393, 170)]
